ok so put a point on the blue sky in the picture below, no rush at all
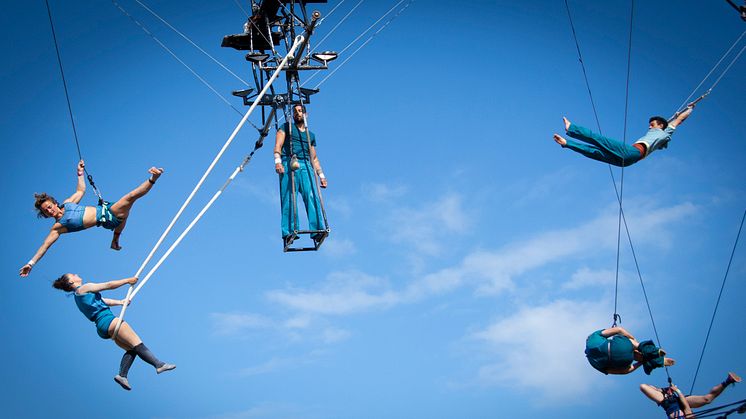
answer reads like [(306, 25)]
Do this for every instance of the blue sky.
[(469, 257)]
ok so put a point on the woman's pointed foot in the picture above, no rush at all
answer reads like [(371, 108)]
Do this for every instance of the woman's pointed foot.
[(733, 378), (115, 242), (567, 123), (559, 140), (164, 368), (122, 381)]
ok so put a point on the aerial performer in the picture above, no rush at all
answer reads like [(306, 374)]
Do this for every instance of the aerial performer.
[(286, 154), (616, 351), (611, 151), (96, 309), (72, 217), (678, 406)]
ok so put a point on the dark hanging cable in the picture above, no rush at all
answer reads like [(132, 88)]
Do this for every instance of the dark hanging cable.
[(67, 97), (617, 192), (717, 303)]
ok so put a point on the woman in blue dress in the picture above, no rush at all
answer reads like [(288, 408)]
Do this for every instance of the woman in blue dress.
[(71, 217), (96, 309)]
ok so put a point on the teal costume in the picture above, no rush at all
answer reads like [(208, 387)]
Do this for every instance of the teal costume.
[(618, 352), (72, 219), (104, 217), (598, 147), (671, 404), (96, 310), (297, 145), (613, 352)]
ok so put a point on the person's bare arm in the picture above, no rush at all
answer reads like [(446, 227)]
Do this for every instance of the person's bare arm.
[(317, 167), (103, 286), (279, 141), (80, 188), (112, 303), (52, 237), (616, 330), (683, 402), (682, 116)]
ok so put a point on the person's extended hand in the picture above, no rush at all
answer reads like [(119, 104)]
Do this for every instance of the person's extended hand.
[(324, 183), (25, 269), (279, 169)]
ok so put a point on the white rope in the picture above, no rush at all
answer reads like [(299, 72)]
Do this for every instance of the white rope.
[(713, 69), (144, 6), (132, 291)]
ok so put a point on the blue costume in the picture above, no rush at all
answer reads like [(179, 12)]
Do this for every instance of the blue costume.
[(671, 405), (72, 219), (617, 351), (617, 153), (297, 145), (96, 310), (613, 352)]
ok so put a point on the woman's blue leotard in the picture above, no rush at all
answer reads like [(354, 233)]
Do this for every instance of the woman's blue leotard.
[(72, 219)]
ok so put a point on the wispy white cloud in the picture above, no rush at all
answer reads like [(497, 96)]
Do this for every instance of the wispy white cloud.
[(281, 363), (334, 335), (343, 292), (381, 192), (429, 226), (234, 323), (541, 349), (264, 193), (338, 247), (265, 410), (586, 277), (490, 272)]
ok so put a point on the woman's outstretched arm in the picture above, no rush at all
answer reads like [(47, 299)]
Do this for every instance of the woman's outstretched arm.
[(103, 286), (80, 189), (48, 242)]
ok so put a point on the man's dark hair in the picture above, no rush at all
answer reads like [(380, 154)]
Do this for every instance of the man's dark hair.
[(659, 119)]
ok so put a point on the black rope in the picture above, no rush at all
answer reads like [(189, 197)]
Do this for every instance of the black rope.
[(717, 303), (69, 105), (624, 139), (616, 316), (176, 57), (712, 411), (582, 65)]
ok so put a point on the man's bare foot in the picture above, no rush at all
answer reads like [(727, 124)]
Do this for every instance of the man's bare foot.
[(733, 378), (668, 362), (115, 242), (559, 140), (155, 173), (567, 123)]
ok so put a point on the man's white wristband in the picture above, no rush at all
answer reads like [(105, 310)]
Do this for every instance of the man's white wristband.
[(321, 175), (31, 262), (278, 161)]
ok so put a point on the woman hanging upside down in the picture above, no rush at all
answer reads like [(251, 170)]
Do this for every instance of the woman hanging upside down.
[(72, 217), (616, 351), (608, 150), (96, 309), (678, 406)]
